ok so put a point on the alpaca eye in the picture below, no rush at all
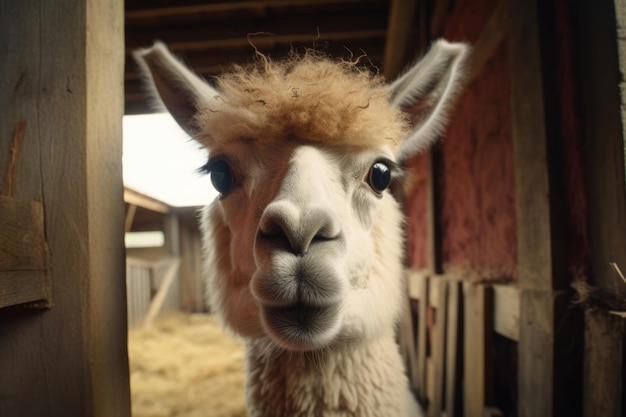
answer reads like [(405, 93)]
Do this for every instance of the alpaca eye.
[(379, 177), (221, 175)]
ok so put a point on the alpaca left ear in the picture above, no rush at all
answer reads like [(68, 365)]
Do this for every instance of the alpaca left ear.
[(431, 87)]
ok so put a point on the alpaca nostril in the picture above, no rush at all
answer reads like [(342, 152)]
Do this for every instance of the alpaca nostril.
[(294, 230)]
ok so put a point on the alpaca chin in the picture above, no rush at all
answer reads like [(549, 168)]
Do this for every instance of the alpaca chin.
[(301, 327)]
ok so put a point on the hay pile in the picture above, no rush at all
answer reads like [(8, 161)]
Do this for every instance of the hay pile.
[(185, 366)]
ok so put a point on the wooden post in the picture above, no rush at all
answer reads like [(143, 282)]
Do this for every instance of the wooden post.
[(602, 97), (62, 71), (605, 364), (547, 375)]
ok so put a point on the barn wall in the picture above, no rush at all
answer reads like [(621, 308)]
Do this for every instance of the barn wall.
[(62, 64), (475, 184)]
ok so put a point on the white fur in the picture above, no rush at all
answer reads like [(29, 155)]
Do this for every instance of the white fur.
[(304, 259)]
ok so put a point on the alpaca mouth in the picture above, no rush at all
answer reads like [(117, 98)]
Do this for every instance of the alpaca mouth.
[(302, 327)]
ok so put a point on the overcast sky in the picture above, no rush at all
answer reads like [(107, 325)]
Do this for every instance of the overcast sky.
[(161, 161)]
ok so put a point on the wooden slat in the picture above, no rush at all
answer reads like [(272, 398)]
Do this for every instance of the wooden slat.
[(507, 311), (477, 323), (439, 347), (453, 348), (605, 364), (415, 280), (22, 240), (422, 340), (159, 298), (31, 288)]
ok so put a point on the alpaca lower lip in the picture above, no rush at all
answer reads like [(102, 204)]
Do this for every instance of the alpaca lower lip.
[(301, 326)]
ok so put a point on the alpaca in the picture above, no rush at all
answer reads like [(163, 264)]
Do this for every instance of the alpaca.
[(303, 248)]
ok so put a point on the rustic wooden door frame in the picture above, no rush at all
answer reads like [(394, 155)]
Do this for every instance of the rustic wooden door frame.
[(62, 74)]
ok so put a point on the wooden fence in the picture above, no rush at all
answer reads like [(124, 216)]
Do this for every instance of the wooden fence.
[(448, 341), (152, 288)]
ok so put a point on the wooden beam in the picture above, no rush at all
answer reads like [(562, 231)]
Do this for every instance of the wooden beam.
[(489, 40), (237, 6), (605, 364), (601, 102), (177, 43), (141, 200), (65, 82), (130, 216), (401, 17), (438, 19), (532, 190)]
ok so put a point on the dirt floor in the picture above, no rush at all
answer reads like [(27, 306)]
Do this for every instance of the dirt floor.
[(186, 366)]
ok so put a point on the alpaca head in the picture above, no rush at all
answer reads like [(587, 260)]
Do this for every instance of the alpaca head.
[(304, 245)]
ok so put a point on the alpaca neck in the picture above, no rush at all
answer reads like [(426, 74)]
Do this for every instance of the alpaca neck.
[(365, 381)]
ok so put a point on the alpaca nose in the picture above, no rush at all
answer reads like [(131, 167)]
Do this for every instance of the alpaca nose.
[(295, 229)]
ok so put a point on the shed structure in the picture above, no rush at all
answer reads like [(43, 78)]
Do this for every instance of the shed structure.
[(516, 248)]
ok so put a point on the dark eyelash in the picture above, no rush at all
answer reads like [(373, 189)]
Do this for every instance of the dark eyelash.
[(204, 169)]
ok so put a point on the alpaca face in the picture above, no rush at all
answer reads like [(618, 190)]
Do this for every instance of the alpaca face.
[(304, 246), (319, 267)]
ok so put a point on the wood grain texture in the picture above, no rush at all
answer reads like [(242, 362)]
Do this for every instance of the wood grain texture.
[(605, 365), (401, 18), (439, 346), (532, 191), (603, 139), (24, 257), (490, 38), (478, 324), (453, 350), (62, 70)]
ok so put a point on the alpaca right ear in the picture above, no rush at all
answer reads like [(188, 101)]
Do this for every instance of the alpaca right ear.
[(430, 88), (174, 85)]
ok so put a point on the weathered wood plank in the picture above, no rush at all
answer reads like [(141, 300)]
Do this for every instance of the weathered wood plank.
[(401, 17), (600, 80), (536, 354), (532, 190), (549, 377), (507, 311), (438, 18), (25, 287), (477, 324), (62, 69), (490, 38), (453, 348), (605, 364), (141, 200), (22, 240), (422, 340), (157, 302), (439, 347)]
